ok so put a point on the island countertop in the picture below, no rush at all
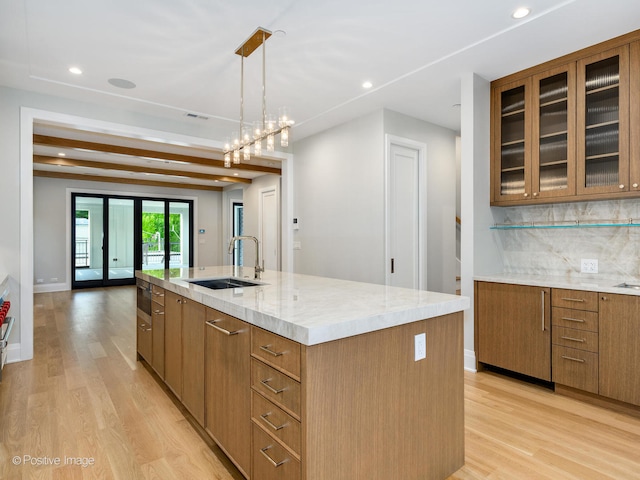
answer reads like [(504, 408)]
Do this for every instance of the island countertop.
[(304, 308)]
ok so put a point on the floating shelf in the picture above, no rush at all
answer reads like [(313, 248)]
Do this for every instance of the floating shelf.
[(568, 224)]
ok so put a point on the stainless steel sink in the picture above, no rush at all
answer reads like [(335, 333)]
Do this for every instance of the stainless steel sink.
[(634, 286), (222, 283)]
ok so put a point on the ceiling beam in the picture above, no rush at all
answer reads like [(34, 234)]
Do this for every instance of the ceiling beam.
[(128, 181), (68, 162), (140, 152)]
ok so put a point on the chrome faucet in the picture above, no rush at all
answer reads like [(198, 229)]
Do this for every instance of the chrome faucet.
[(232, 244)]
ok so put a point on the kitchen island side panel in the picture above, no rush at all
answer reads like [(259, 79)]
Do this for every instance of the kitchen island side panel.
[(371, 412)]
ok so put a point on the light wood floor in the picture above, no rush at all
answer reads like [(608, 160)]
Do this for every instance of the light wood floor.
[(84, 395)]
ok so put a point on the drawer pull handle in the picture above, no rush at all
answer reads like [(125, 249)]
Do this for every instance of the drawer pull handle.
[(270, 388), (573, 359), (263, 451), (579, 320), (265, 348), (220, 329), (158, 312), (268, 422), (581, 340), (158, 294), (143, 327), (581, 300)]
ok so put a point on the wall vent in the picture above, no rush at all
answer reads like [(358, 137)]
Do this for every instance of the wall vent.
[(195, 115)]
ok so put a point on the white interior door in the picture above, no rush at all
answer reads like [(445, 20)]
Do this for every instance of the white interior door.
[(405, 209), (270, 228)]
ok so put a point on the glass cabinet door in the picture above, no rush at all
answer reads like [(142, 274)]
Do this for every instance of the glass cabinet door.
[(553, 142), (511, 141), (634, 126), (603, 122)]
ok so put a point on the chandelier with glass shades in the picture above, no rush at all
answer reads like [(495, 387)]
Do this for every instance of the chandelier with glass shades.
[(251, 135)]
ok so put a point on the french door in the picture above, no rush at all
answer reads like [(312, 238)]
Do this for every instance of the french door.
[(112, 236)]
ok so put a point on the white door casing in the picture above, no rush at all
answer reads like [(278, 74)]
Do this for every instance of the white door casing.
[(405, 210)]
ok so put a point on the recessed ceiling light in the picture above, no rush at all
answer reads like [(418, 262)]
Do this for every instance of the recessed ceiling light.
[(61, 154), (521, 12), (235, 174), (367, 85), (75, 70)]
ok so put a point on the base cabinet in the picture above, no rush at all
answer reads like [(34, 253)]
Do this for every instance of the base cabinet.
[(512, 328), (595, 341), (144, 339), (157, 315), (193, 330), (358, 408), (620, 347), (227, 393)]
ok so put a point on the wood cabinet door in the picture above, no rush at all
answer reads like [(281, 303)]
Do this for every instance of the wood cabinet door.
[(634, 125), (620, 347), (228, 393), (602, 149), (173, 342), (157, 314), (193, 318), (553, 142), (513, 328), (511, 142)]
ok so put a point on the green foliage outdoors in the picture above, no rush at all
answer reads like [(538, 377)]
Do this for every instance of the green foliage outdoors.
[(154, 222)]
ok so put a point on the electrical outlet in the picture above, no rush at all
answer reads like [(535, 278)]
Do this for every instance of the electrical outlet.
[(588, 265), (420, 346)]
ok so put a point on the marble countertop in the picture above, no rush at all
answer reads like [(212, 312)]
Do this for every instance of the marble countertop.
[(589, 283), (308, 309)]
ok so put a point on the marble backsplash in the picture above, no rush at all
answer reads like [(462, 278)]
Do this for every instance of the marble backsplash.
[(558, 251)]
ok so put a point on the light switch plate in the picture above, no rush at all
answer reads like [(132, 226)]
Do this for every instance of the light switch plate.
[(420, 346)]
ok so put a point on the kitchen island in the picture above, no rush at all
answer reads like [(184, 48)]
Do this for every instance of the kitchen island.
[(314, 378)]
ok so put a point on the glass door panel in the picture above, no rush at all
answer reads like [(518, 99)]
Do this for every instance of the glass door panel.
[(88, 234), (153, 234), (553, 172), (602, 122), (512, 141), (179, 234), (121, 247)]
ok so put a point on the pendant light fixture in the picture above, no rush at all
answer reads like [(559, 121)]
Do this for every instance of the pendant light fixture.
[(266, 128)]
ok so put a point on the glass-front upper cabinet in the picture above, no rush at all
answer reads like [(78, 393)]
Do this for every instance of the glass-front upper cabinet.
[(553, 138), (603, 122), (634, 126), (511, 141)]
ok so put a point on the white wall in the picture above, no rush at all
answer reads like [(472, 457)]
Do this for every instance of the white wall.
[(480, 254), (51, 222), (339, 199)]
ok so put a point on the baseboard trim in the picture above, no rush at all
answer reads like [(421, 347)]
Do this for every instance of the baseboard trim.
[(470, 361), (50, 287), (13, 353)]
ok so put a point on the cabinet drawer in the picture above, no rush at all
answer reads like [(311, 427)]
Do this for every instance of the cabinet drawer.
[(157, 294), (575, 368), (270, 460), (578, 299), (578, 319), (279, 352), (277, 387), (573, 338), (276, 421)]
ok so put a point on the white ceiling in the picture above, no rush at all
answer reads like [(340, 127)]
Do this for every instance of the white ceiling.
[(179, 53)]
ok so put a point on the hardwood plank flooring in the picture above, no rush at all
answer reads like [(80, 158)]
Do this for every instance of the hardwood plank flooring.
[(85, 397)]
